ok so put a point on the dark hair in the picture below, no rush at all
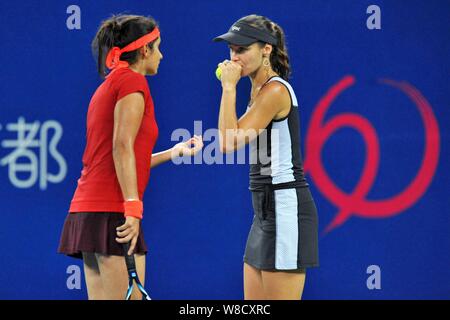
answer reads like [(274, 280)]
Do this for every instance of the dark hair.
[(279, 58), (120, 30)]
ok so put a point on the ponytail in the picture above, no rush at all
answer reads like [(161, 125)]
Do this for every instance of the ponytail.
[(279, 57)]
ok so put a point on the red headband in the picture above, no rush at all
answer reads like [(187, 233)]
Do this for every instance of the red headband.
[(113, 58)]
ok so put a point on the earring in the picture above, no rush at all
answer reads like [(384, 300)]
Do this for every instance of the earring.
[(266, 65)]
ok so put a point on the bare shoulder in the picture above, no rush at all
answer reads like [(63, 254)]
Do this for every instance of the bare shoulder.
[(279, 96)]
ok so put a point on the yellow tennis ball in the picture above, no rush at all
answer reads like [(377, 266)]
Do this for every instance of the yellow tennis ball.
[(218, 73)]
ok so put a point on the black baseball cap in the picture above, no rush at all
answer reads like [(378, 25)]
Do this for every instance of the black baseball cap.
[(243, 34)]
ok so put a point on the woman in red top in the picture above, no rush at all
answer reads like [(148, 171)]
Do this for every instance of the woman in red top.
[(106, 209)]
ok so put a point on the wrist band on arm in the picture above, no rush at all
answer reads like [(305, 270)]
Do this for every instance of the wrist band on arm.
[(133, 208)]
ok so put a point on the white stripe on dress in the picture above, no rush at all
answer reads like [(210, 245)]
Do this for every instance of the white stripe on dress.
[(286, 242)]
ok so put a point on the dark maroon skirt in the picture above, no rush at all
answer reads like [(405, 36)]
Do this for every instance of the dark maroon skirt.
[(95, 232)]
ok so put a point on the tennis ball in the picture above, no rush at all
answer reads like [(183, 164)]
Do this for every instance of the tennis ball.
[(218, 73)]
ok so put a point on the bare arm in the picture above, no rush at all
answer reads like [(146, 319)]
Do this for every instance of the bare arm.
[(128, 114), (187, 148), (161, 157), (127, 120), (272, 100)]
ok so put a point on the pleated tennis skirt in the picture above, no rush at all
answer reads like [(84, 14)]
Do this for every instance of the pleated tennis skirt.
[(95, 232), (284, 232)]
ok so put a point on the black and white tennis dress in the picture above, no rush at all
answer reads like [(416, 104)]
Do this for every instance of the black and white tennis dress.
[(283, 235)]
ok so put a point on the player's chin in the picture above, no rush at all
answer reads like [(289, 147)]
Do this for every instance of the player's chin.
[(153, 72)]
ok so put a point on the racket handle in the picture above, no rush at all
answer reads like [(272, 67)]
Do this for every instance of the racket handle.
[(129, 259)]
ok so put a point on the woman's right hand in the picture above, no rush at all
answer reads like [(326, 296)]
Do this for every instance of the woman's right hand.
[(231, 73), (129, 232), (188, 148)]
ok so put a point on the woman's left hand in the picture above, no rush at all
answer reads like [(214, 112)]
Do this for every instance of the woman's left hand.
[(188, 148)]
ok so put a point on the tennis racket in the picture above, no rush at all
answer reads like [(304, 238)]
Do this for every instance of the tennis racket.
[(132, 275)]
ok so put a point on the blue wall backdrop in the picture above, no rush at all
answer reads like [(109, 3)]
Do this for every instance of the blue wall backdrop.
[(374, 108)]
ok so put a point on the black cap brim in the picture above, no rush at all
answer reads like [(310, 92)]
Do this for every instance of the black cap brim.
[(236, 39)]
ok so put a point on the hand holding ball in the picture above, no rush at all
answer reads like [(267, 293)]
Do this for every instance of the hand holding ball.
[(233, 72)]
